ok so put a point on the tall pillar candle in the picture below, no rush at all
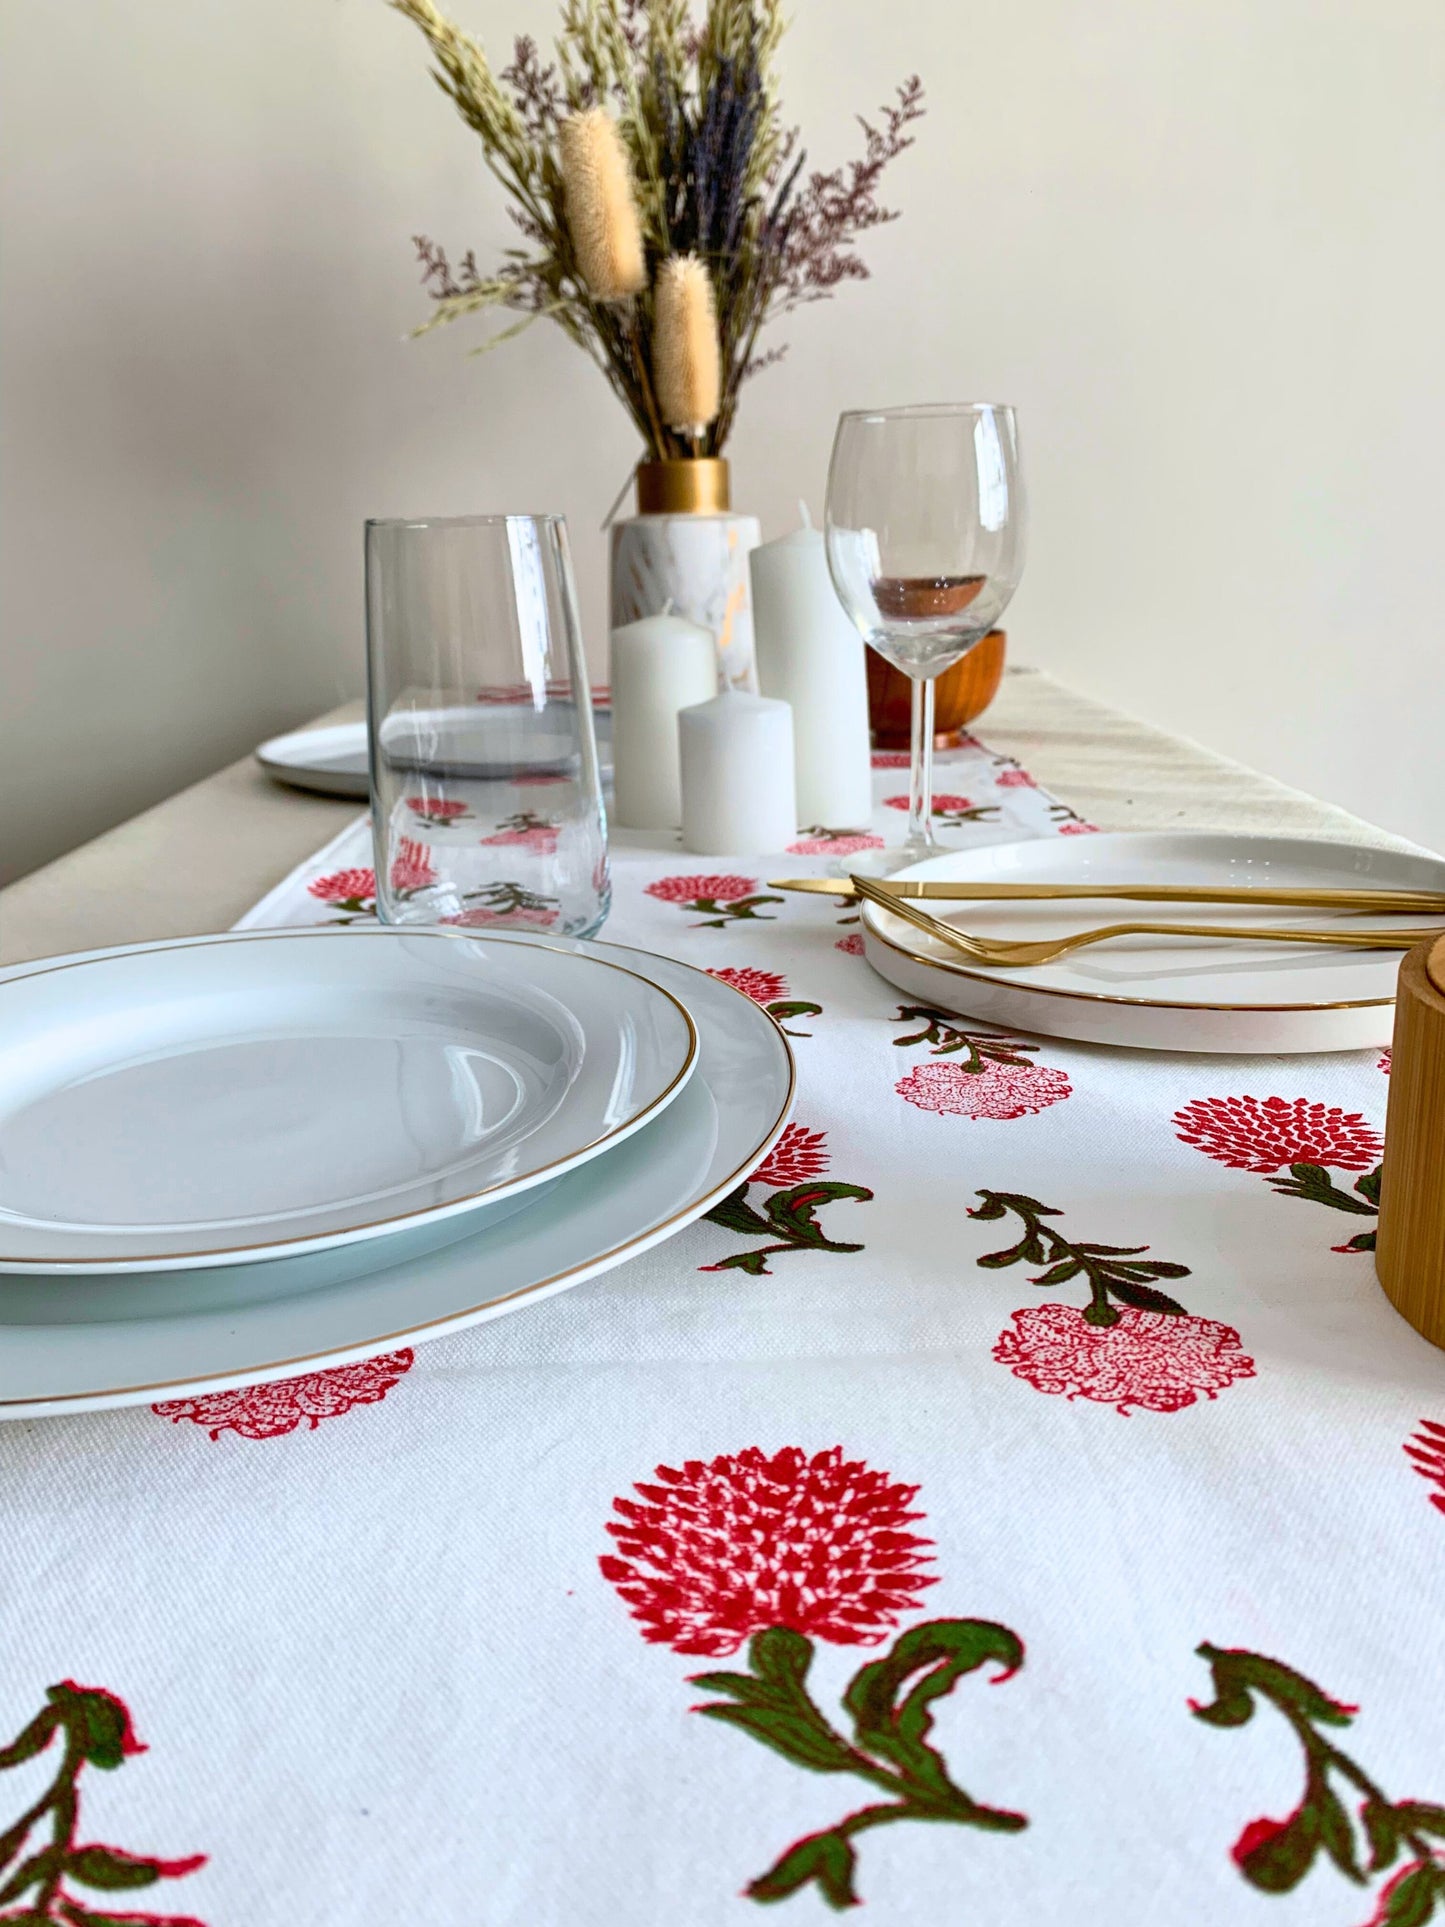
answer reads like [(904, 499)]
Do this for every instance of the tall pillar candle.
[(659, 665), (737, 775), (810, 655)]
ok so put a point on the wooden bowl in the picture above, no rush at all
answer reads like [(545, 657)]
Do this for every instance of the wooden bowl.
[(1410, 1243), (960, 693)]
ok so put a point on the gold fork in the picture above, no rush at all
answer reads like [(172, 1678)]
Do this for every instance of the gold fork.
[(1008, 955)]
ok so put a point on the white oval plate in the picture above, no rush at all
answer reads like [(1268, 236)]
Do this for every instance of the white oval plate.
[(332, 759), (1164, 993), (241, 1098), (72, 1345)]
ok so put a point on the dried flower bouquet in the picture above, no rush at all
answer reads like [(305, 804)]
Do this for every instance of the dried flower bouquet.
[(663, 204)]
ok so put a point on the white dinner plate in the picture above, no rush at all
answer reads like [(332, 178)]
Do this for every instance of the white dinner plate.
[(332, 759), (272, 1093), (1164, 993), (72, 1344)]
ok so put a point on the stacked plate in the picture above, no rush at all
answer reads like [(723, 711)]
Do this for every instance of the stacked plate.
[(236, 1157)]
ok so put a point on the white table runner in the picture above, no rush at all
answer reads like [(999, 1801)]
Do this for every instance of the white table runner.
[(891, 1535)]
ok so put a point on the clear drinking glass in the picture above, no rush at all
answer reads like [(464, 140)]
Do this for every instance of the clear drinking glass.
[(486, 801), (925, 533)]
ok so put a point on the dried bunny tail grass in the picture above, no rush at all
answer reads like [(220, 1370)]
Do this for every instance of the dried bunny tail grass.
[(686, 360), (601, 206)]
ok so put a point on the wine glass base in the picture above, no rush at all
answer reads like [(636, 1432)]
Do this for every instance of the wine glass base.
[(886, 863)]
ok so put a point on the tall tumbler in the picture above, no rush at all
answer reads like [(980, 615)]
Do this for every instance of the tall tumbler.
[(486, 802)]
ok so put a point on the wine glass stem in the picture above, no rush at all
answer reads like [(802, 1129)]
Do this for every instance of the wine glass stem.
[(920, 782)]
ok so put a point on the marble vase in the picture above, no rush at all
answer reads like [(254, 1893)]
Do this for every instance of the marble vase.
[(700, 564)]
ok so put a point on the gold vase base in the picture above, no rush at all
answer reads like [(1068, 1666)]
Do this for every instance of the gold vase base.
[(698, 486)]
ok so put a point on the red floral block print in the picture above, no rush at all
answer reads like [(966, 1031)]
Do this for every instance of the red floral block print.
[(952, 811), (820, 842), (1386, 1059), (890, 759), (1079, 828), (687, 890), (271, 1411), (770, 989), (746, 1542), (1155, 1361), (437, 811), (851, 945), (41, 1855), (411, 867), (1344, 1816), (997, 1091), (344, 886), (763, 986), (479, 917), (798, 1155), (1426, 1452), (528, 831), (1015, 779), (1251, 1134)]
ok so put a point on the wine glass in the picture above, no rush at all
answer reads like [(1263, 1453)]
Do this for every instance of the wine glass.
[(925, 534)]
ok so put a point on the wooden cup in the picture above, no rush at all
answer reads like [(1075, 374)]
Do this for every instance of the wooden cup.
[(1410, 1244), (960, 693)]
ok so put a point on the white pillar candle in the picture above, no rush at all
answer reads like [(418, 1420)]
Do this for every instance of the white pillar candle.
[(810, 655), (737, 775), (659, 665)]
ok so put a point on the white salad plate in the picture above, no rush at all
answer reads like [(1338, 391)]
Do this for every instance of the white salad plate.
[(271, 1094), (72, 1344), (331, 759), (1164, 993)]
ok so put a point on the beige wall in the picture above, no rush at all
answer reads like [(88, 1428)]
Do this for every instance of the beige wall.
[(1198, 242)]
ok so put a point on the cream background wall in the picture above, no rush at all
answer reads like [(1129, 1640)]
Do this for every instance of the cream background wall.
[(1199, 245)]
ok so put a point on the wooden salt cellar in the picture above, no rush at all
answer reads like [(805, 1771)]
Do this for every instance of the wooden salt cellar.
[(1410, 1253)]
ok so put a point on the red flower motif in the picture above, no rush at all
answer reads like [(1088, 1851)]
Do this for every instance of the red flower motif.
[(1079, 829), (996, 1091), (724, 1549), (692, 889), (1386, 1059), (344, 886), (271, 1411), (890, 759), (851, 945), (542, 839), (411, 867), (480, 918), (1156, 1360), (436, 809), (1426, 1452), (797, 1156), (1253, 1135), (942, 805), (763, 986), (1015, 779), (844, 844)]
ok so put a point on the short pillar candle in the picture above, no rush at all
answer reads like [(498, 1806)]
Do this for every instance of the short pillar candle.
[(737, 775), (659, 665)]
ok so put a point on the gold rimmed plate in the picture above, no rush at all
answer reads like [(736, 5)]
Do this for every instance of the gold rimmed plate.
[(69, 1345), (1163, 993)]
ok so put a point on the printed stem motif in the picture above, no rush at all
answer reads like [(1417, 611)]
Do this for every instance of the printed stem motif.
[(1314, 1183), (94, 1730), (789, 1218), (889, 1748), (1112, 1271), (1276, 1855), (717, 915), (944, 1037)]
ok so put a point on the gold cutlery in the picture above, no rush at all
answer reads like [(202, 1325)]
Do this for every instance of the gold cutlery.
[(1425, 903), (1005, 955)]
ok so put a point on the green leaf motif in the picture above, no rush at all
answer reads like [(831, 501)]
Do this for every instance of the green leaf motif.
[(736, 1214), (794, 1213), (1410, 1899), (109, 1869), (827, 1858), (1141, 1298), (30, 1873), (34, 1739), (782, 1656), (1382, 1831), (96, 1721), (795, 1738), (1281, 1861)]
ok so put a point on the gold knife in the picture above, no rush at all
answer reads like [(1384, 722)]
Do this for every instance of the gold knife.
[(1425, 903)]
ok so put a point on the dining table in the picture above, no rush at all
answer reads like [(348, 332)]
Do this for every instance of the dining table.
[(1017, 1503)]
